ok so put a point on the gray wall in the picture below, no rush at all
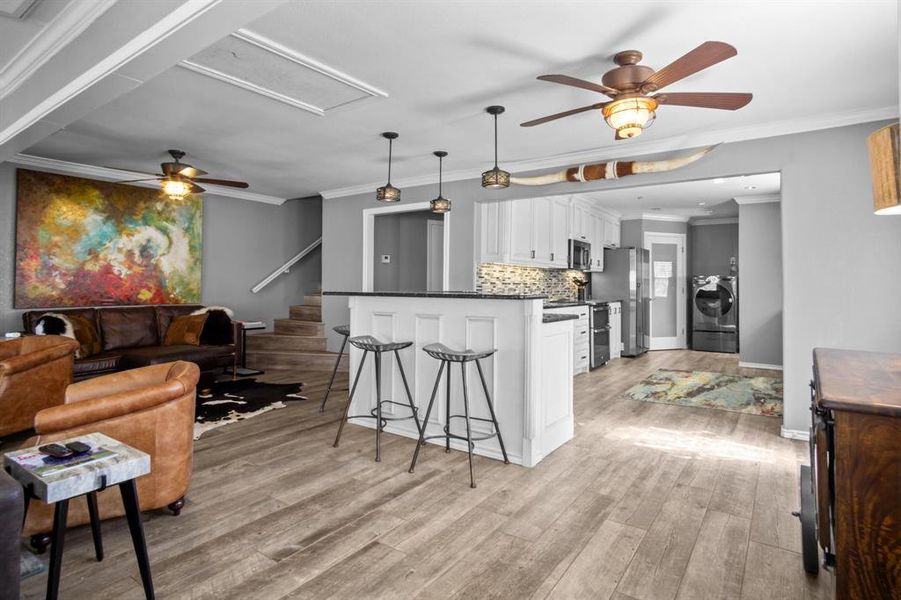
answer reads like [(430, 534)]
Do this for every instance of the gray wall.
[(711, 248), (403, 236), (760, 283), (243, 241), (633, 230), (833, 245)]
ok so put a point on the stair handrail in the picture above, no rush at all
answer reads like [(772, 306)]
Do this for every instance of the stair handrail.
[(287, 266)]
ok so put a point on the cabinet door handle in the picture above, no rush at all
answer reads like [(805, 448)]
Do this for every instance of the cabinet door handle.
[(533, 254), (552, 257)]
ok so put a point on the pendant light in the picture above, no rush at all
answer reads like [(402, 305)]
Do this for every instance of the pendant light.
[(495, 178), (440, 204), (388, 193)]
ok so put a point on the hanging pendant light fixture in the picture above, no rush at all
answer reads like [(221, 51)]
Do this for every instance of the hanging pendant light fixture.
[(495, 178), (388, 193), (440, 204)]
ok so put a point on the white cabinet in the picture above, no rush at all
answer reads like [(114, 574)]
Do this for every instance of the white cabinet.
[(597, 242), (580, 222), (616, 329), (611, 232), (560, 233), (581, 336), (532, 232), (493, 236)]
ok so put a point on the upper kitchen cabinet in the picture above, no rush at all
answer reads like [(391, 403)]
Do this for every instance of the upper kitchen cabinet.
[(611, 232), (532, 232)]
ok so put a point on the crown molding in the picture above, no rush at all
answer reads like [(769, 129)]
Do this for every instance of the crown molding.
[(177, 19), (273, 47), (758, 198), (65, 27), (723, 221), (636, 149), (643, 216), (117, 175)]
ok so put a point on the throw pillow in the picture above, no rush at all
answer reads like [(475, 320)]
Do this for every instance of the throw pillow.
[(71, 326), (185, 329)]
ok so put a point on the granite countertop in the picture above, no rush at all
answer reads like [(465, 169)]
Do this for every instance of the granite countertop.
[(564, 304), (554, 317), (605, 300), (457, 294)]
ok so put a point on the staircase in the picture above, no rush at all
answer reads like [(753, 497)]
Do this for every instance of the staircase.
[(296, 343)]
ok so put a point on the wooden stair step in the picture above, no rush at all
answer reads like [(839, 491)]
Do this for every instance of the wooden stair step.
[(314, 300), (298, 327), (259, 359), (271, 341), (306, 313)]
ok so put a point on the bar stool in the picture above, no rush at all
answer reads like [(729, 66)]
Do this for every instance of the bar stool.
[(368, 344), (448, 356), (343, 330)]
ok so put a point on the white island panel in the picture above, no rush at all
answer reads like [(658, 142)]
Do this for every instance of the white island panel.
[(529, 377)]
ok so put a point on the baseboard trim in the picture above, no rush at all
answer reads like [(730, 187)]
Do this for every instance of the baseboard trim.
[(795, 434), (751, 365)]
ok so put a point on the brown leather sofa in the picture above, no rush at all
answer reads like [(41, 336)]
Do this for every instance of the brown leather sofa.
[(152, 409), (132, 336), (11, 506), (34, 373)]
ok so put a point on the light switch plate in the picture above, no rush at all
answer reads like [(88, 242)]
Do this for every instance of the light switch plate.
[(386, 259)]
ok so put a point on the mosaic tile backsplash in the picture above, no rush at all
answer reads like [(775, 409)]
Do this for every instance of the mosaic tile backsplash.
[(494, 278)]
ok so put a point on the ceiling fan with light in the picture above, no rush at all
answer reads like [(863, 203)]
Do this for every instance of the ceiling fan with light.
[(179, 179), (632, 109)]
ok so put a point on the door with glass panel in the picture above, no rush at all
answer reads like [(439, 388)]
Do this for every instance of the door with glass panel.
[(667, 294)]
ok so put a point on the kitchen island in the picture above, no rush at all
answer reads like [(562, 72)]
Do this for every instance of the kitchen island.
[(529, 377)]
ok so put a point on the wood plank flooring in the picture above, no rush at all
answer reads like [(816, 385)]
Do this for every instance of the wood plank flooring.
[(648, 502)]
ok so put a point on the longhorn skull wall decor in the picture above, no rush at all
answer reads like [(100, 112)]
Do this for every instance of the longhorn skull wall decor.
[(611, 170)]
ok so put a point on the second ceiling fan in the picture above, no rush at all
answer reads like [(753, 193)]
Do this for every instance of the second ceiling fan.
[(630, 84)]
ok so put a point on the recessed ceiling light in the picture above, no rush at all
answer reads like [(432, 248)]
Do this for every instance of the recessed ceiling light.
[(750, 187), (719, 180), (702, 204)]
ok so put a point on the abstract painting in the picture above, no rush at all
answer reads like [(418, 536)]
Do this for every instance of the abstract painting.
[(81, 242)]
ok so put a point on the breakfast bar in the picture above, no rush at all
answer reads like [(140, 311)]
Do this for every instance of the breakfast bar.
[(529, 377)]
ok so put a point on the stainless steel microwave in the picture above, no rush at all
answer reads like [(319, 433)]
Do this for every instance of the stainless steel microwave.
[(579, 255)]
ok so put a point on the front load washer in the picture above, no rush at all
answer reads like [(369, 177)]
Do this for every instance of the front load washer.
[(714, 300)]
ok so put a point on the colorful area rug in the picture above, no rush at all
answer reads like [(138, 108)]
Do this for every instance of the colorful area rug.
[(704, 389), (232, 401)]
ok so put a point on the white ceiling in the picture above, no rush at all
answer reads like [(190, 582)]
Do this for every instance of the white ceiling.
[(16, 33), (442, 62), (698, 200)]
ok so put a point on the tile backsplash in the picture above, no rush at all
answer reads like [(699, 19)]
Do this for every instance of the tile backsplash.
[(495, 278)]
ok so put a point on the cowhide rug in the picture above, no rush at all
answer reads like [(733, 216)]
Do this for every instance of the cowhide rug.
[(232, 401)]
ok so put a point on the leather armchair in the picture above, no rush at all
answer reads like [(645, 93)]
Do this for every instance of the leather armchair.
[(34, 373), (151, 409), (11, 506)]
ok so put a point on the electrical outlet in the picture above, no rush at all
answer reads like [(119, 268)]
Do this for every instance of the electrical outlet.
[(386, 259)]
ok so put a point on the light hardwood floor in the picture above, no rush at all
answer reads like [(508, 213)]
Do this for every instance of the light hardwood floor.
[(648, 502)]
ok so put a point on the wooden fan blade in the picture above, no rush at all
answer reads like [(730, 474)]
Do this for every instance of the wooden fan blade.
[(723, 101), (196, 189), (705, 55), (137, 180), (560, 115), (225, 182), (579, 83)]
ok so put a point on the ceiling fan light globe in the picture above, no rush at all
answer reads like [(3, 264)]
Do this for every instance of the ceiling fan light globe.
[(495, 179), (629, 116), (440, 205), (176, 189), (387, 193)]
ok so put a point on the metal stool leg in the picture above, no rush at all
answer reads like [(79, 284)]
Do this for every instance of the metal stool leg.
[(447, 411), (378, 407), (469, 444), (428, 411), (334, 372), (60, 513), (95, 525), (403, 376), (350, 399), (497, 427)]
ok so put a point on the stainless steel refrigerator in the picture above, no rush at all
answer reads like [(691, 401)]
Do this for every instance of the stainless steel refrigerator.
[(627, 277)]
